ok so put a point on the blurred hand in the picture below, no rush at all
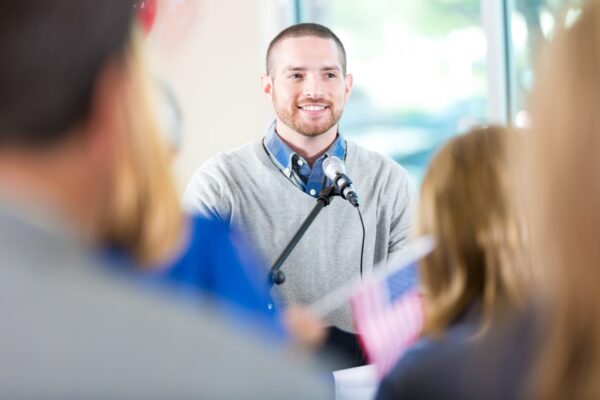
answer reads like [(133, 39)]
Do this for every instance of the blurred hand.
[(306, 328)]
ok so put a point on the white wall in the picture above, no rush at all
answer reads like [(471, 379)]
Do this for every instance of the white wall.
[(214, 71)]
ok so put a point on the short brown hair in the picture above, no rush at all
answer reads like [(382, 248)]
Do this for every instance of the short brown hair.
[(303, 30)]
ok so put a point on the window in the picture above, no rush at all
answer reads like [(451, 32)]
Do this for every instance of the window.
[(425, 70), (419, 71), (531, 24)]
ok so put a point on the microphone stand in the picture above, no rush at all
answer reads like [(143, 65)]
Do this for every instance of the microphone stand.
[(276, 276)]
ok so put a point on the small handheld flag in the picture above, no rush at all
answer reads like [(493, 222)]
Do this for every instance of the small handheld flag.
[(388, 316)]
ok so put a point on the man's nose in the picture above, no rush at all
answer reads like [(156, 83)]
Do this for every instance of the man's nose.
[(312, 87)]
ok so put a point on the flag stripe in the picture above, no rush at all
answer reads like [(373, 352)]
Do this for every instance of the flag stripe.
[(388, 316)]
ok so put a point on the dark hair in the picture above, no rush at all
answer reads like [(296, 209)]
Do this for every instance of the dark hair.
[(302, 30), (52, 52)]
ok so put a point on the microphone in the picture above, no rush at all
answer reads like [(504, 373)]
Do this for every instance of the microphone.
[(336, 171)]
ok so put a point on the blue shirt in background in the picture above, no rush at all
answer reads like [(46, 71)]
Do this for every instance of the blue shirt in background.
[(216, 266)]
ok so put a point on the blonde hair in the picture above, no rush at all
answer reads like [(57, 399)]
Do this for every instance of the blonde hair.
[(468, 204), (145, 216), (566, 163)]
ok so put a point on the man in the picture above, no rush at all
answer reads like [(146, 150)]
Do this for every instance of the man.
[(269, 186), (71, 327)]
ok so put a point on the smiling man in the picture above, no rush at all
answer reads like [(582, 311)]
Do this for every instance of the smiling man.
[(267, 187)]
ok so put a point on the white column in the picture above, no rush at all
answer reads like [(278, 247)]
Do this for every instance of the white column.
[(496, 24)]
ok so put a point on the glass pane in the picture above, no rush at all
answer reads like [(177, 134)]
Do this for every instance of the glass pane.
[(419, 72), (532, 23)]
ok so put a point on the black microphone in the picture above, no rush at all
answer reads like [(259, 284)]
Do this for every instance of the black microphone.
[(336, 171)]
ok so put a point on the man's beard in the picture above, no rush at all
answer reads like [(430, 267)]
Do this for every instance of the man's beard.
[(310, 129)]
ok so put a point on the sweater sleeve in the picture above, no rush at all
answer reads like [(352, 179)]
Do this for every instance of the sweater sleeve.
[(207, 194)]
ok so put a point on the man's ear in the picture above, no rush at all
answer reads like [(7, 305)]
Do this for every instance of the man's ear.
[(348, 81), (267, 85)]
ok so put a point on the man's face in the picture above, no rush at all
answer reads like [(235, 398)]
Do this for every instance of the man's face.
[(307, 85)]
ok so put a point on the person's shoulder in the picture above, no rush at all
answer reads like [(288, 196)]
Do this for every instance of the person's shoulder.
[(232, 158), (378, 163), (431, 360), (425, 362), (418, 357), (226, 165), (208, 228), (205, 240), (410, 376)]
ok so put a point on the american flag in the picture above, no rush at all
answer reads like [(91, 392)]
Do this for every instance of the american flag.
[(388, 315)]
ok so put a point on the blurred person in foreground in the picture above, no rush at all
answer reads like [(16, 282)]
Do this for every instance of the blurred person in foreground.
[(566, 170), (552, 351), (477, 273), (71, 327), (148, 232)]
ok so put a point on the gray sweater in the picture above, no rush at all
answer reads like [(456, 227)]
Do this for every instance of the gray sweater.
[(244, 188)]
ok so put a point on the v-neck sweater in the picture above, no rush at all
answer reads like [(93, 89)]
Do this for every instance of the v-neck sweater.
[(244, 188)]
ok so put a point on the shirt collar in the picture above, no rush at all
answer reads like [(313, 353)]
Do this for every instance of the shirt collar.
[(283, 154)]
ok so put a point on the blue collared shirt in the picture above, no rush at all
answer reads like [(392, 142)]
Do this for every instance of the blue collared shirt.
[(294, 166)]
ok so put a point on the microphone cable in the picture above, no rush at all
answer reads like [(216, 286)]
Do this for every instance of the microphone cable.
[(362, 247)]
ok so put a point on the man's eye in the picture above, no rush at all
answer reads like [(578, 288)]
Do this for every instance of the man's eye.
[(331, 75), (295, 76)]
